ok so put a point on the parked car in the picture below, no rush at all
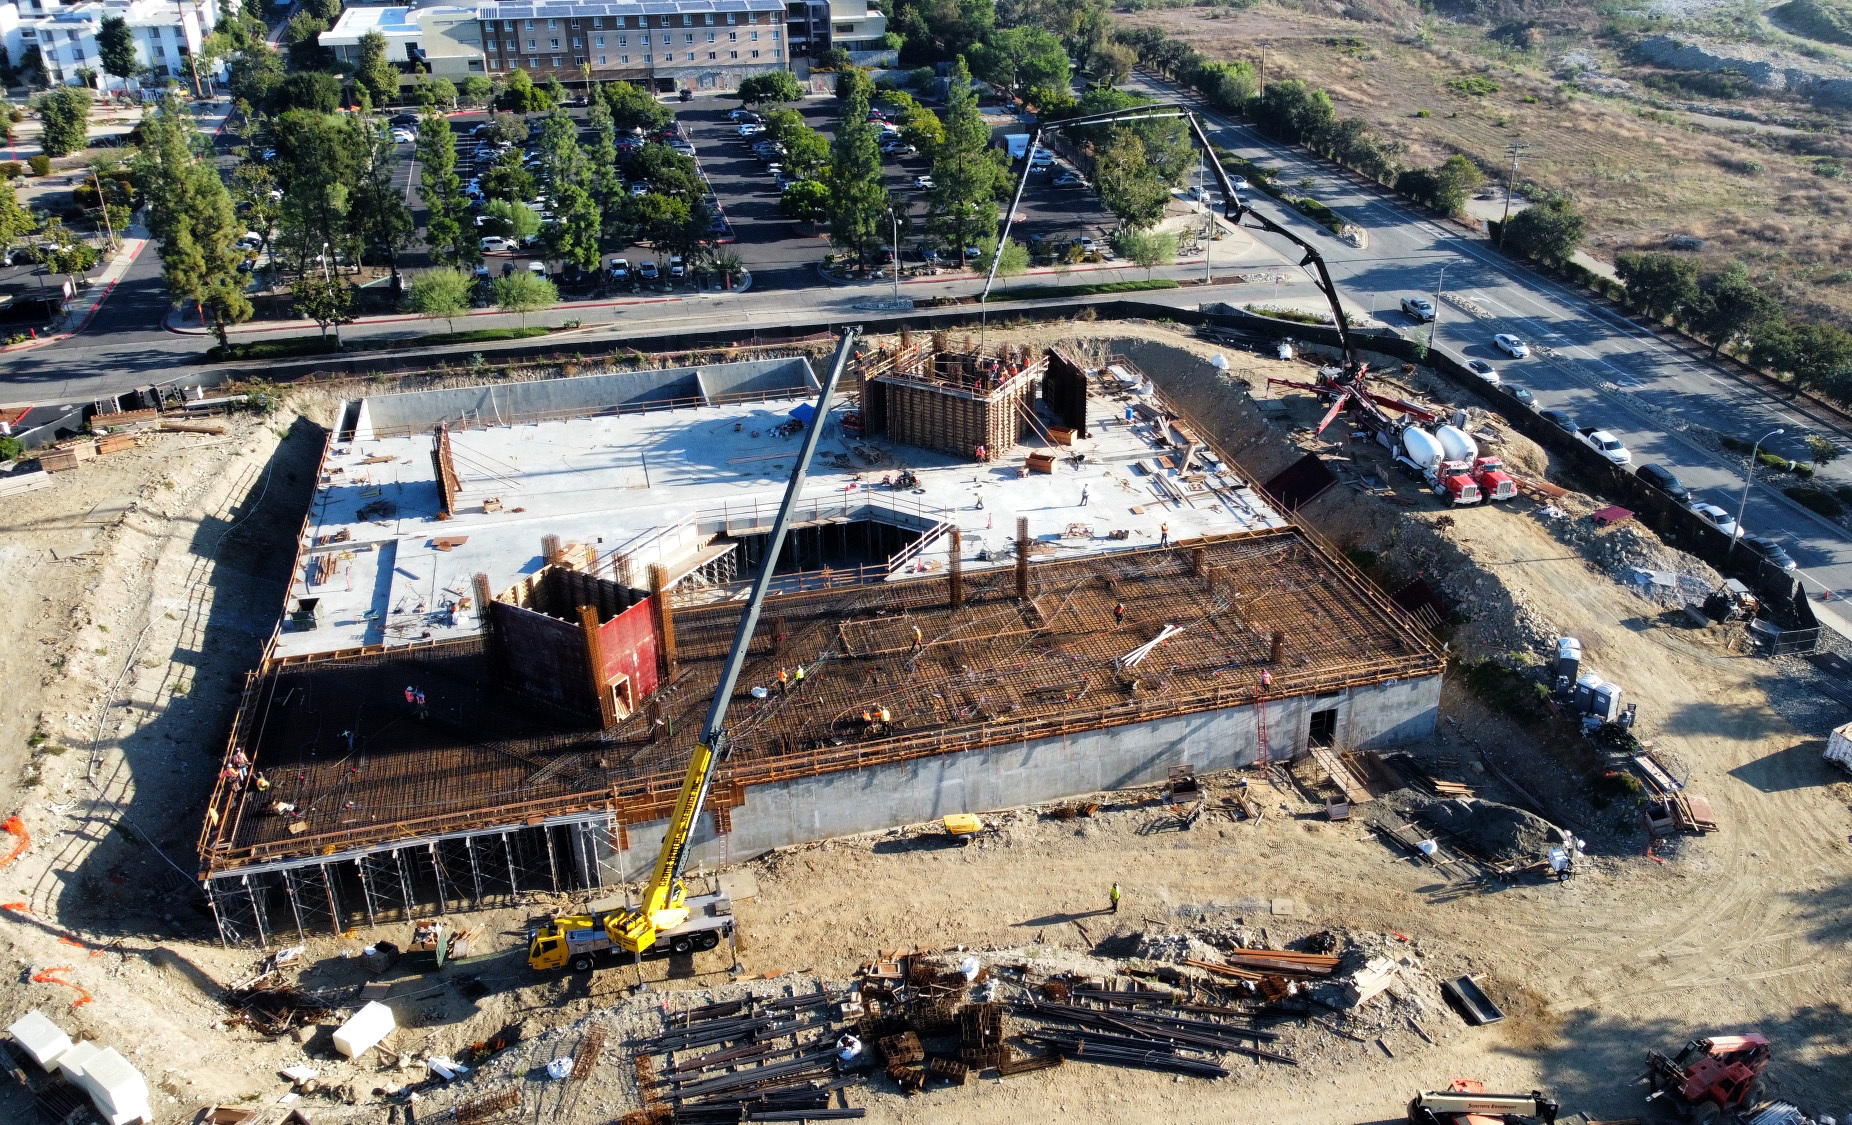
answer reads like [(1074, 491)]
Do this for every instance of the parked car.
[(1523, 395), (1070, 179), (1420, 308), (1606, 444), (402, 119), (1663, 479), (678, 268), (923, 183), (1041, 158), (1511, 345), (639, 189), (538, 269), (403, 137), (1559, 418), (620, 269), (742, 115), (751, 129), (647, 270), (496, 244), (1771, 550), (1239, 183), (1716, 517), (1484, 370), (1089, 246)]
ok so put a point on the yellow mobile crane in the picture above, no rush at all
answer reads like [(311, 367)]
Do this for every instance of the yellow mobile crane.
[(667, 920)]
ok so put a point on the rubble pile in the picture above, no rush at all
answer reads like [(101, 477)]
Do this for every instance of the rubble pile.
[(1622, 549), (1487, 829)]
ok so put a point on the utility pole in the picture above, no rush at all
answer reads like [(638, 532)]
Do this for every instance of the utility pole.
[(1511, 182), (1263, 72), (1434, 325), (1209, 211), (894, 218)]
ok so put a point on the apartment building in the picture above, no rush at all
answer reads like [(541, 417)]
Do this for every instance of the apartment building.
[(668, 45), (168, 35)]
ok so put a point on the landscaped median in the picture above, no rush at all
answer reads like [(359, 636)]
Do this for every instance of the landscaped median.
[(294, 346), (1044, 292)]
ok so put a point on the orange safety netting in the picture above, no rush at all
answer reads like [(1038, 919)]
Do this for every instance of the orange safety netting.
[(49, 976), (22, 839)]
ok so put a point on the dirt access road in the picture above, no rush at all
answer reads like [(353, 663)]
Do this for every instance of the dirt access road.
[(142, 585)]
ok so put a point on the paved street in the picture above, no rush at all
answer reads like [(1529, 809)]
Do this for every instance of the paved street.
[(1604, 370)]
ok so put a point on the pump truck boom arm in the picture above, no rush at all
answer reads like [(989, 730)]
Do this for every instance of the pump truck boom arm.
[(1233, 206), (1464, 1100), (663, 902)]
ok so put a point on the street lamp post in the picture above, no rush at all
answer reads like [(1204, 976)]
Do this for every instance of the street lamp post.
[(1749, 476), (893, 217), (328, 280), (1434, 324)]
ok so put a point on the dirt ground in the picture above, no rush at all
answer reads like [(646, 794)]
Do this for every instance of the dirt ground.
[(144, 584), (1643, 167)]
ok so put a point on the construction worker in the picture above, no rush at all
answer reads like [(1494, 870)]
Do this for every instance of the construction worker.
[(411, 698), (798, 680), (1114, 895), (1163, 535), (1086, 490), (1118, 613), (262, 783), (1266, 678), (419, 703), (784, 683), (919, 639)]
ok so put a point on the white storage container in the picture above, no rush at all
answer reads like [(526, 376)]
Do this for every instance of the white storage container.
[(1839, 747), (363, 1032), (44, 1040), (71, 1063)]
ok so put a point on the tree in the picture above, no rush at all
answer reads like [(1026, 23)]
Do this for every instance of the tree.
[(1822, 359), (1112, 63), (254, 72), (776, 86), (476, 89), (1020, 59), (607, 186), (441, 293), (1444, 188), (319, 159), (326, 301), (448, 232), (1127, 182), (511, 220), (807, 201), (301, 41), (520, 95), (633, 107), (375, 71), (191, 216), (65, 115), (1149, 248), (1660, 285), (311, 90), (325, 10), (1011, 261), (524, 293), (257, 209), (1548, 232), (508, 178), (938, 30), (807, 152), (382, 223), (562, 161), (852, 81), (507, 128), (441, 92), (858, 195), (116, 44), (63, 251), (967, 173), (577, 225), (1729, 307), (921, 128), (1292, 111), (15, 221)]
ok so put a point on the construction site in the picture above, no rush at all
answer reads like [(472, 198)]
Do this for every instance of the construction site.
[(507, 616), (1065, 722)]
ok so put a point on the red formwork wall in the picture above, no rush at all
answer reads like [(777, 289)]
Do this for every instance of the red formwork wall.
[(629, 647)]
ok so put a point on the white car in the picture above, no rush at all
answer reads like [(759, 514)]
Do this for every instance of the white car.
[(923, 183), (1041, 158), (403, 137), (496, 244), (538, 269), (1418, 308), (620, 269), (1609, 446), (1070, 179), (751, 129), (1484, 370), (1239, 183), (678, 268), (1717, 518), (1089, 246), (1511, 345)]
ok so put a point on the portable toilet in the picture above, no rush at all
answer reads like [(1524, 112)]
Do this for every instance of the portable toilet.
[(1585, 686), (1568, 661), (1604, 703)]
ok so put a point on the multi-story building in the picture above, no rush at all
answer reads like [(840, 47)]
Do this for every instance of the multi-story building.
[(815, 26), (445, 40), (168, 36), (668, 45)]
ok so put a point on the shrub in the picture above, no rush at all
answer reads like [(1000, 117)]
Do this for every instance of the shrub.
[(1774, 461), (1816, 500), (1319, 213), (12, 169), (10, 448), (1820, 449), (1473, 86), (1508, 691), (1802, 469), (40, 164)]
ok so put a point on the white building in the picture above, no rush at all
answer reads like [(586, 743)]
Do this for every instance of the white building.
[(445, 39), (815, 26), (168, 33)]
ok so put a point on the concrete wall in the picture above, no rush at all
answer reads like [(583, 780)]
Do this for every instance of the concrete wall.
[(923, 789)]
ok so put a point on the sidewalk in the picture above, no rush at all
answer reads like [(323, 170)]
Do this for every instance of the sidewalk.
[(84, 305)]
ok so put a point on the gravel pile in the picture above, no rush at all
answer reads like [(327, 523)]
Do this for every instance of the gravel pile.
[(1490, 830)]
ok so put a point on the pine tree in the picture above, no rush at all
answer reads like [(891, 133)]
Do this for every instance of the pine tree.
[(967, 173), (448, 232), (858, 195), (189, 212), (382, 223)]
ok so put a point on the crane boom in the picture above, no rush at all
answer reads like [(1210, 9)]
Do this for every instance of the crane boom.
[(663, 902)]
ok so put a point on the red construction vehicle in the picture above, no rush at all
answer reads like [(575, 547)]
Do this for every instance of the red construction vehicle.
[(1709, 1076), (1494, 484), (1456, 481)]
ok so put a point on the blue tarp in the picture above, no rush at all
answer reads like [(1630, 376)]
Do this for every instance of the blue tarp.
[(804, 412)]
